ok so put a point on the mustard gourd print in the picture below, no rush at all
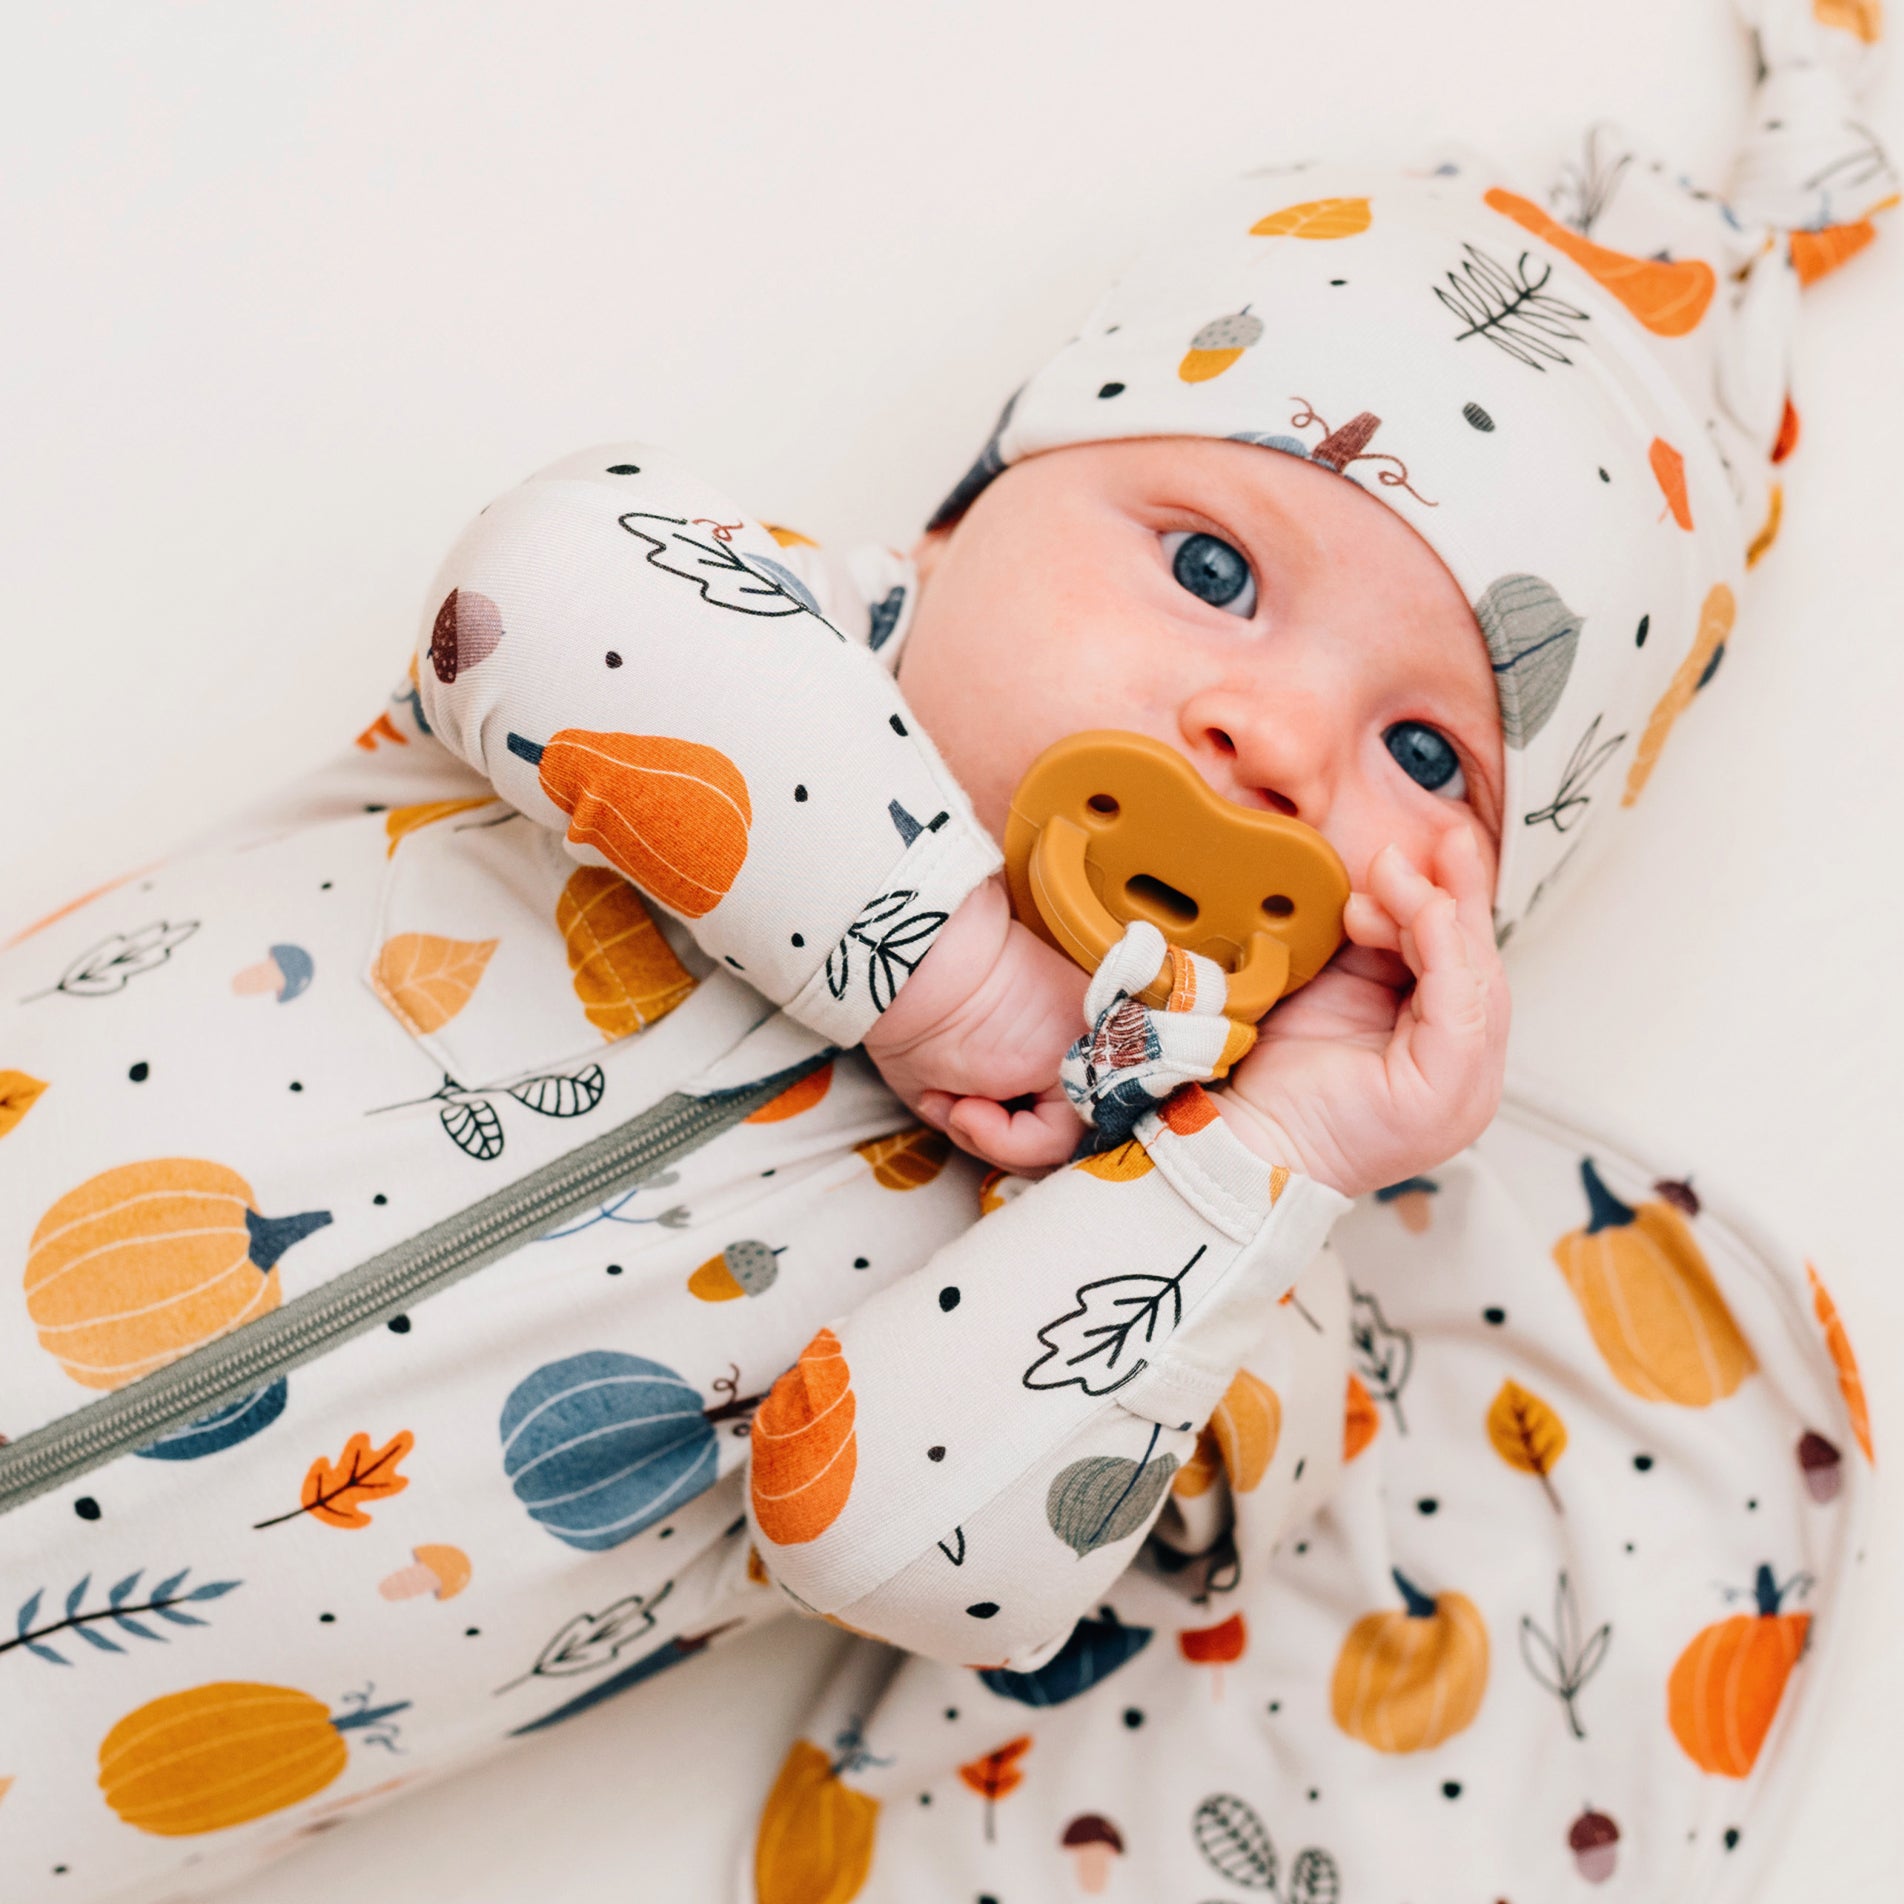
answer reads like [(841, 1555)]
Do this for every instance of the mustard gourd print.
[(147, 1261), (1649, 1298), (223, 1754), (804, 1449), (1405, 1681), (673, 815), (1247, 1425), (1715, 624), (1726, 1686), (815, 1843), (623, 971)]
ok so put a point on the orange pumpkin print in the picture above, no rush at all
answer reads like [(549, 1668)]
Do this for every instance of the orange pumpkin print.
[(145, 1262), (801, 1095), (1726, 1686), (1247, 1424), (1865, 18), (804, 1449), (1405, 1681), (1360, 1421), (1669, 297), (1715, 624), (1188, 1109), (623, 970), (223, 1754), (425, 980), (671, 814), (1838, 1343)]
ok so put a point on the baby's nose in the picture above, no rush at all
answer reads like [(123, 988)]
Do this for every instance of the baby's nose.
[(1239, 787)]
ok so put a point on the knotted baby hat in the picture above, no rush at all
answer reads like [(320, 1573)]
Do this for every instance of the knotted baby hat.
[(1580, 407)]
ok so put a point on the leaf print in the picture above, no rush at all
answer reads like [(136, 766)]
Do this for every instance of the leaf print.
[(672, 1653), (1512, 310), (1562, 1661), (801, 1095), (1669, 470), (382, 729), (1106, 1498), (623, 970), (1532, 636), (166, 1598), (426, 980), (893, 946), (996, 1775), (400, 821), (1586, 760), (907, 1159), (591, 1641), (1235, 1842), (18, 1095), (473, 1127), (1315, 218), (339, 1493), (116, 960), (560, 1095), (1384, 1356), (1143, 1309), (1527, 1434), (1668, 296), (725, 578)]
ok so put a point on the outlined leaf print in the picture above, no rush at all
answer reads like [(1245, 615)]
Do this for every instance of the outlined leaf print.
[(891, 942), (339, 1493), (165, 1599), (624, 972), (18, 1095), (473, 1127), (1097, 1344), (996, 1775), (1527, 1434), (1571, 800), (1315, 218), (1384, 1356), (1236, 1844), (1563, 1661), (116, 960), (590, 1641), (562, 1094), (471, 1121), (907, 1159), (699, 552), (670, 1653), (426, 980), (1511, 309)]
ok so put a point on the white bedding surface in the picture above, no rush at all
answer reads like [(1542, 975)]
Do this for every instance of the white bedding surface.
[(291, 293)]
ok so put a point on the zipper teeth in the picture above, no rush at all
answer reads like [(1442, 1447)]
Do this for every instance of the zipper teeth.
[(358, 1297)]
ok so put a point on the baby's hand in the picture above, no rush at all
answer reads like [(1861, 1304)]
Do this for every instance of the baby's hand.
[(987, 1017), (1355, 1082)]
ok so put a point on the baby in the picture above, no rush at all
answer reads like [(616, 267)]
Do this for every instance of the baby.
[(510, 1197)]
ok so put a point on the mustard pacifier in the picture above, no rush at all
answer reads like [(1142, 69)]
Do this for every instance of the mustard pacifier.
[(1108, 827)]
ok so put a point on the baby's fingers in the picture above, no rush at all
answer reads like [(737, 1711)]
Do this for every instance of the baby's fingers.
[(1034, 1139)]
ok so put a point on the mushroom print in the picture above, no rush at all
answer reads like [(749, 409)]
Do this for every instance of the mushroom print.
[(1094, 1845), (440, 1571), (1406, 1681), (223, 1754), (1649, 1298), (670, 814), (283, 973), (1726, 1686)]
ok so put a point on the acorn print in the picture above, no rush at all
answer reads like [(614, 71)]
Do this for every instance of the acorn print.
[(1406, 1681), (1822, 1466), (442, 1572), (623, 971), (1594, 1840), (1219, 344), (815, 1842), (147, 1261), (466, 632), (1094, 1845), (1726, 1686), (804, 1450), (671, 814), (742, 1269), (1649, 1298), (1532, 636), (223, 1754), (1715, 624), (283, 973)]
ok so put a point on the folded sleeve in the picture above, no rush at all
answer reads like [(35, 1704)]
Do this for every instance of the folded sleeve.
[(964, 1464), (629, 658)]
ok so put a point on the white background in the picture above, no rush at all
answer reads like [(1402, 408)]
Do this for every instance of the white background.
[(287, 292)]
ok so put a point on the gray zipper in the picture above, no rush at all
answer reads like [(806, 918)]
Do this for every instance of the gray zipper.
[(360, 1298)]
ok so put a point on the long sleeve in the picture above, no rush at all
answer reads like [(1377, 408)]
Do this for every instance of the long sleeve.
[(629, 658), (964, 1464)]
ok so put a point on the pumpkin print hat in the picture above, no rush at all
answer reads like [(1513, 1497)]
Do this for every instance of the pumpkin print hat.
[(1580, 407)]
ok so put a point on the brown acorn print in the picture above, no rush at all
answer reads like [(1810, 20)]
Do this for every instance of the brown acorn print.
[(467, 630), (1822, 1466), (1594, 1841)]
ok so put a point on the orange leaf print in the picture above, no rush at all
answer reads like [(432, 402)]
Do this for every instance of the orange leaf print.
[(1850, 1382), (789, 538), (1360, 1421), (1668, 296), (1787, 439), (1527, 1434), (908, 1158), (18, 1095), (1315, 218), (1669, 467), (623, 970), (425, 980), (401, 820), (1122, 1163), (339, 1493), (671, 814), (804, 1449), (801, 1095), (1815, 254), (383, 728), (997, 1775)]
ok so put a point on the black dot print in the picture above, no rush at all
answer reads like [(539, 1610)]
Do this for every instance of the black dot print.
[(951, 1712), (472, 1632), (860, 1262), (1643, 1462), (665, 1532), (86, 1508), (295, 1085), (1427, 1505), (1732, 1837), (1639, 634), (734, 962), (1629, 1546), (1111, 390), (982, 1609), (898, 726), (614, 1269), (624, 469), (1313, 1794), (925, 1798), (1604, 477), (1302, 1546), (1451, 1788), (1300, 1465), (766, 1173), (327, 1619), (139, 1072), (1494, 1316), (380, 1199), (1133, 1718), (1338, 280), (1275, 1705), (985, 1897), (799, 938), (935, 1454), (325, 887), (948, 1298), (59, 1870), (1751, 1507), (612, 659), (398, 1325), (799, 793)]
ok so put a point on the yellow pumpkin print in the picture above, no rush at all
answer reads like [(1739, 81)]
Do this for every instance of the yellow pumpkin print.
[(623, 970), (1405, 1681), (223, 1754), (815, 1843), (143, 1263), (1649, 1298), (1247, 1425)]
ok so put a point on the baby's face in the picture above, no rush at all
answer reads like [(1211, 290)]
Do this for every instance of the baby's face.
[(1290, 635)]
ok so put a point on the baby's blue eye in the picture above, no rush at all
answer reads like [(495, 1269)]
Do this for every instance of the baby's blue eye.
[(1212, 571), (1427, 756)]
